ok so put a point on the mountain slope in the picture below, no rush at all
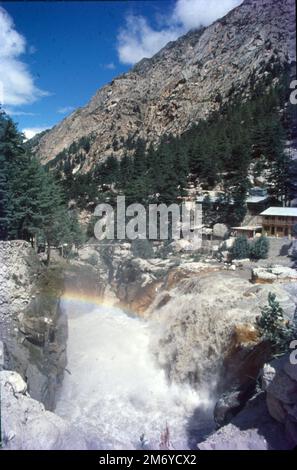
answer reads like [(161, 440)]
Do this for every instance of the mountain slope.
[(182, 84)]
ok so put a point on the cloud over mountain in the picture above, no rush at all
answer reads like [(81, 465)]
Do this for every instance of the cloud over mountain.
[(138, 39)]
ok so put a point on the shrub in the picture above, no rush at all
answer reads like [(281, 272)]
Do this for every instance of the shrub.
[(142, 249), (240, 249), (273, 327), (260, 248)]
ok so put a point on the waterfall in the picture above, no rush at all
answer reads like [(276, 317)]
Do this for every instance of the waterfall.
[(194, 324), (116, 394)]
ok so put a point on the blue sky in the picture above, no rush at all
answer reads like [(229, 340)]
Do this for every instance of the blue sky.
[(55, 55)]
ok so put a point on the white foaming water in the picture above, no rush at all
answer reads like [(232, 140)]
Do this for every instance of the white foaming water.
[(116, 393)]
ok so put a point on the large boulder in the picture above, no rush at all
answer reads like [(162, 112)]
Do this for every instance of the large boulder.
[(268, 421), (26, 425), (220, 231), (293, 250), (281, 397), (252, 429), (272, 274), (229, 243)]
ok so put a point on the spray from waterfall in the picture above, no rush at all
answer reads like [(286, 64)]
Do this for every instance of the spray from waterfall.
[(116, 395)]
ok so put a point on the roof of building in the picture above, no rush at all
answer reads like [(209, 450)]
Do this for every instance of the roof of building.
[(203, 198), (213, 199), (248, 228), (256, 199), (281, 211)]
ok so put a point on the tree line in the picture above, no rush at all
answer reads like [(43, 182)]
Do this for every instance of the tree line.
[(221, 149), (33, 206), (34, 200)]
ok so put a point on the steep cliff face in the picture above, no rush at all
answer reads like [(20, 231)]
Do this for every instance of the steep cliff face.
[(33, 328), (182, 84)]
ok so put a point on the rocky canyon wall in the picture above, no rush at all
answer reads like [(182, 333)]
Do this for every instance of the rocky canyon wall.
[(33, 329)]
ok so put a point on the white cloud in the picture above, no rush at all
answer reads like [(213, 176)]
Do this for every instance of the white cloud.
[(30, 132), (65, 109), (194, 13), (12, 112), (17, 83), (138, 39), (109, 66)]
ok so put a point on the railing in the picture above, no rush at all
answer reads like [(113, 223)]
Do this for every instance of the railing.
[(279, 223)]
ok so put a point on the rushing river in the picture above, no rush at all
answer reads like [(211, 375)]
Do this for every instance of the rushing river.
[(115, 393)]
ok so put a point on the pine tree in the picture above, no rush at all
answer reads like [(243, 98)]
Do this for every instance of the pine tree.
[(274, 328), (32, 202), (125, 171), (260, 248), (139, 159), (163, 175), (240, 249), (12, 160)]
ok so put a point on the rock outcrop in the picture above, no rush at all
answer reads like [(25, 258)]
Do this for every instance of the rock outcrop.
[(33, 329), (183, 83), (134, 283), (252, 429), (269, 419), (274, 273), (281, 395), (26, 425), (204, 333)]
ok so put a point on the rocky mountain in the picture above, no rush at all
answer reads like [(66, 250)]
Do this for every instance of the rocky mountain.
[(183, 83)]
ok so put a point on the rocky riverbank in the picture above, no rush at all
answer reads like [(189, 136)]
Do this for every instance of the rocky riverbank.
[(201, 315), (269, 419), (27, 425), (33, 328)]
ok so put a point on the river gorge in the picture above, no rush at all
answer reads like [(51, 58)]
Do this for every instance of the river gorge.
[(116, 394), (130, 353)]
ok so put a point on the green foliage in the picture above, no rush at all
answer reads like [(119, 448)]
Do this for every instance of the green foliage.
[(240, 249), (12, 160), (259, 249), (219, 149), (107, 172), (243, 249), (32, 203), (274, 328)]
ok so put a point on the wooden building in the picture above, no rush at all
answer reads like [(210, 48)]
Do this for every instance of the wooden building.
[(248, 231), (257, 201), (279, 221)]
